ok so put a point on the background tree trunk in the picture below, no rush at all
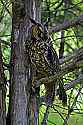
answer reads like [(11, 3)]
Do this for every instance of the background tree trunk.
[(2, 92)]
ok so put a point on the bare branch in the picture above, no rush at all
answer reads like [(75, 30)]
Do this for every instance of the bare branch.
[(75, 55), (67, 24), (73, 83), (58, 112)]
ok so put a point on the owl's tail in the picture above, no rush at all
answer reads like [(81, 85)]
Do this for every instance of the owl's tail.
[(62, 94), (50, 93)]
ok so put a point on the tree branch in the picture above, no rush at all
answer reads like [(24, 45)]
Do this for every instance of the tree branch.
[(75, 55), (73, 82), (67, 24)]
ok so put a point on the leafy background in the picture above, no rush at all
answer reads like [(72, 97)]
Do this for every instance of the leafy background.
[(55, 12)]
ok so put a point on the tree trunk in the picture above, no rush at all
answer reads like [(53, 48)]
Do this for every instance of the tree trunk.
[(21, 105), (2, 92)]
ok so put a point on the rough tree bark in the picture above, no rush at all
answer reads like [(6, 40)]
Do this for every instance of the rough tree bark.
[(2, 92), (20, 88)]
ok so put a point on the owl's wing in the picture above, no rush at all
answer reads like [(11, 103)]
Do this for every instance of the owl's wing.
[(54, 67)]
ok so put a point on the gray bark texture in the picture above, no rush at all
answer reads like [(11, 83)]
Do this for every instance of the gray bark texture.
[(2, 92), (21, 102)]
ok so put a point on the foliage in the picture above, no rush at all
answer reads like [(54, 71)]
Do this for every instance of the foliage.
[(53, 12)]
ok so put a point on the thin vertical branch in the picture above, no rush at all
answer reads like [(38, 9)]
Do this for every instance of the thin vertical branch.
[(70, 110), (2, 92), (44, 122), (61, 50)]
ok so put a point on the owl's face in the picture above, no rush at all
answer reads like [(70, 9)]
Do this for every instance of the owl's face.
[(37, 32)]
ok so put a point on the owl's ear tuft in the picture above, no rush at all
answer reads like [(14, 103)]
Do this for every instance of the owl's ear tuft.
[(33, 21)]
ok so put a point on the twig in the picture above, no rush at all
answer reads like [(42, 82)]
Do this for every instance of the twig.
[(70, 110), (6, 7), (58, 113), (44, 122), (71, 56), (73, 83)]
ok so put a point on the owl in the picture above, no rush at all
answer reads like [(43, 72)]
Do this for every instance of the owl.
[(44, 62)]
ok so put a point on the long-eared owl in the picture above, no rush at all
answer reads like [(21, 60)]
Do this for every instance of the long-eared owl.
[(44, 61)]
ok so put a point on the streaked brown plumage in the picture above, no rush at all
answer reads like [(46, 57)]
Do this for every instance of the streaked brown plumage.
[(44, 61)]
